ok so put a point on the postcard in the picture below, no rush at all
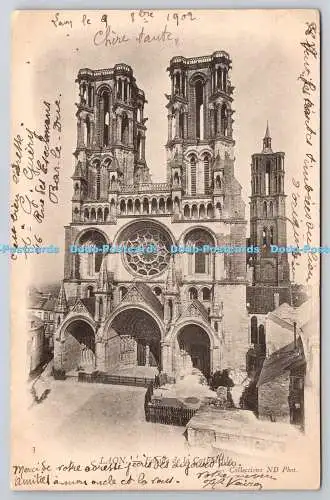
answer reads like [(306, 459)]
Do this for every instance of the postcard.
[(165, 250)]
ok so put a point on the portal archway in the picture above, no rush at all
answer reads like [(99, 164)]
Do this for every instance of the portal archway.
[(139, 338), (193, 344), (79, 344)]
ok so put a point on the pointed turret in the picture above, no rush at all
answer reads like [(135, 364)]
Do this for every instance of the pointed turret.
[(267, 141), (172, 286), (61, 303), (103, 279)]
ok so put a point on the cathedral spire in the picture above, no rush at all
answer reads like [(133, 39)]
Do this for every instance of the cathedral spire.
[(267, 141), (171, 280), (61, 303), (103, 279)]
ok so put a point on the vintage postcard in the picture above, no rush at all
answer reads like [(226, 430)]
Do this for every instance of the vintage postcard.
[(165, 251)]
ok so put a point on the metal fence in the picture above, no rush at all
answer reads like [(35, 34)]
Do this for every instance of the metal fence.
[(169, 415), (104, 378)]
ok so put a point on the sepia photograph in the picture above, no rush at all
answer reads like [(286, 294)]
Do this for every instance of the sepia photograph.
[(165, 250)]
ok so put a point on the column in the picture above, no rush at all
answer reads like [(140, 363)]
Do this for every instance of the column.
[(169, 127), (80, 135), (143, 148), (118, 128), (165, 358), (177, 123), (147, 355), (130, 131), (185, 124), (100, 361), (212, 121)]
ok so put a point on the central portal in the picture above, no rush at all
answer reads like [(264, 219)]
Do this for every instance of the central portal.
[(139, 338)]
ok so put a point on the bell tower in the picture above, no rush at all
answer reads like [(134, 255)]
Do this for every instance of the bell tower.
[(267, 215)]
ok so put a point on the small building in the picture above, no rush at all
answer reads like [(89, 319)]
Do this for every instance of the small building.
[(36, 343), (281, 385)]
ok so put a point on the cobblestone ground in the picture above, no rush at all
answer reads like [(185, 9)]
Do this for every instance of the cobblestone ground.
[(99, 416)]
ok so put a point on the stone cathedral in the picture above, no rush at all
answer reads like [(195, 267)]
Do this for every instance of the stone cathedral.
[(125, 313)]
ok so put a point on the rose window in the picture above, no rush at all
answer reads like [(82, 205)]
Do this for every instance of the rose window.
[(146, 262)]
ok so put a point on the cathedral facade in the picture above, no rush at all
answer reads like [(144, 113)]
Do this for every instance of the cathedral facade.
[(161, 309)]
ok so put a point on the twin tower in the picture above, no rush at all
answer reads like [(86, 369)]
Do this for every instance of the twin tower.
[(200, 156)]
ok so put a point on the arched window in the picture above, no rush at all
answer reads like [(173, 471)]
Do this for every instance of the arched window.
[(90, 96), (93, 214), (202, 211), (194, 212), (186, 211), (261, 336), (200, 260), (193, 174), (99, 215), (176, 179), (98, 182), (145, 206), (86, 214), (193, 294), (264, 237), (176, 205), (267, 178), (124, 129), (265, 209), (206, 174), (219, 77), (88, 132), (206, 293), (199, 100), (210, 211), (137, 206), (112, 210), (177, 83), (224, 120), (224, 80), (100, 307), (130, 207), (154, 206), (215, 120), (169, 205), (254, 330), (90, 264), (219, 209), (271, 236), (271, 209), (181, 125), (138, 146), (98, 262), (125, 90), (105, 117), (162, 206), (170, 307), (90, 291), (122, 207), (119, 90)]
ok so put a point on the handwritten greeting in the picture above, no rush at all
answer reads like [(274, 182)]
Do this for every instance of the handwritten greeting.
[(207, 472), (145, 24), (35, 173), (303, 193)]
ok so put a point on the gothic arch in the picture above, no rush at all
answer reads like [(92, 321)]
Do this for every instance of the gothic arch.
[(172, 335)]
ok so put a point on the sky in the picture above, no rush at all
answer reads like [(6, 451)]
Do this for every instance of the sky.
[(267, 59)]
